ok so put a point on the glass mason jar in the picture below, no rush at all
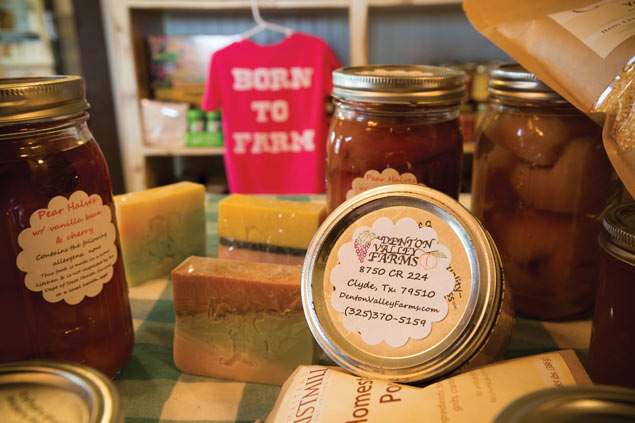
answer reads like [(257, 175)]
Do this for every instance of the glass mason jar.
[(541, 180), (612, 346), (394, 124), (63, 294)]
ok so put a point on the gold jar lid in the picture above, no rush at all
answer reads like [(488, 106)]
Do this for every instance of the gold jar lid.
[(400, 84), (512, 82), (403, 283), (25, 99), (618, 238), (579, 404), (57, 391)]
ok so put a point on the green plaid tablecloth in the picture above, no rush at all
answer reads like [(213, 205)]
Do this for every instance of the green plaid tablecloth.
[(154, 390)]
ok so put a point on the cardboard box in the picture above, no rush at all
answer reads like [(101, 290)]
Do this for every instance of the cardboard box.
[(179, 64), (164, 123)]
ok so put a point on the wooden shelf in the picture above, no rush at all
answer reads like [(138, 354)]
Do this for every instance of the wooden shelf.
[(125, 22), (28, 49), (120, 26), (276, 4), (26, 62), (394, 3), (11, 36), (234, 4)]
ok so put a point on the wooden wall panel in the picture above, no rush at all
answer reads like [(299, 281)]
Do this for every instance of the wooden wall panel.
[(426, 35)]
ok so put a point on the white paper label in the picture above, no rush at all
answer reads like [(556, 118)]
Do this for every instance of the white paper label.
[(391, 281), (373, 178), (601, 26), (69, 250), (310, 393)]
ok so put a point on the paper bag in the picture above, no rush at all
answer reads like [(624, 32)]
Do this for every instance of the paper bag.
[(584, 50)]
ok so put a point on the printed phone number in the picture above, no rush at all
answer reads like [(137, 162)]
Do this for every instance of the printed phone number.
[(387, 317)]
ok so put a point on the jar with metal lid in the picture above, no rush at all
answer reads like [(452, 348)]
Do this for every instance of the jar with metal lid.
[(612, 347), (63, 293), (57, 391), (394, 124), (572, 404), (403, 283), (540, 182)]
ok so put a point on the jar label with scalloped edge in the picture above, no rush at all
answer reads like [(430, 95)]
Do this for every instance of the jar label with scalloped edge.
[(69, 251), (373, 178), (391, 281)]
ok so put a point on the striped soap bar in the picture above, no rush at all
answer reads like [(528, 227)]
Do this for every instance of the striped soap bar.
[(159, 228), (265, 229), (239, 320)]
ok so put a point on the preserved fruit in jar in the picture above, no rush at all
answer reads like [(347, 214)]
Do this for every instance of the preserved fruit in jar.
[(541, 180), (59, 249), (394, 124), (612, 346)]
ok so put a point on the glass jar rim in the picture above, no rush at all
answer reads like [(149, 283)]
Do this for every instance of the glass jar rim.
[(16, 130), (393, 109), (618, 238), (31, 98), (512, 82), (399, 84)]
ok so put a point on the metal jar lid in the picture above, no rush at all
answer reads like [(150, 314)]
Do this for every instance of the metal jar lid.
[(56, 391), (403, 84), (441, 275), (572, 404), (512, 82), (618, 238), (25, 99)]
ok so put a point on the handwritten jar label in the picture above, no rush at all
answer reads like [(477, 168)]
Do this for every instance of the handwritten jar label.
[(391, 281), (373, 178), (69, 250)]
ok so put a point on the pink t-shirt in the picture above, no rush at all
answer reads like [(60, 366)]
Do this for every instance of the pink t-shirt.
[(274, 117)]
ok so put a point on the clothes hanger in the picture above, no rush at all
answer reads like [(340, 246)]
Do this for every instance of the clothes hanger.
[(262, 24)]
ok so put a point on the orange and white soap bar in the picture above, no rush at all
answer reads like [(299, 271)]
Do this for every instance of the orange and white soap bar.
[(266, 229), (239, 320), (159, 228)]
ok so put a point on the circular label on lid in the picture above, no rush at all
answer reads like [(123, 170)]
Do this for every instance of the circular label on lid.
[(391, 281), (393, 277), (51, 391), (42, 404), (402, 282)]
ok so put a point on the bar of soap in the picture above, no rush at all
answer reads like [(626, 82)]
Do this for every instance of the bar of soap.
[(266, 230), (239, 320), (159, 228)]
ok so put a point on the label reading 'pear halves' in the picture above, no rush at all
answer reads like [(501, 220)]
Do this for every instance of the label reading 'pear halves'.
[(69, 250)]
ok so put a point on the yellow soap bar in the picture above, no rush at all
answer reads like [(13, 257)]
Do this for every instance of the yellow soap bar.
[(239, 320), (258, 220), (159, 228)]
